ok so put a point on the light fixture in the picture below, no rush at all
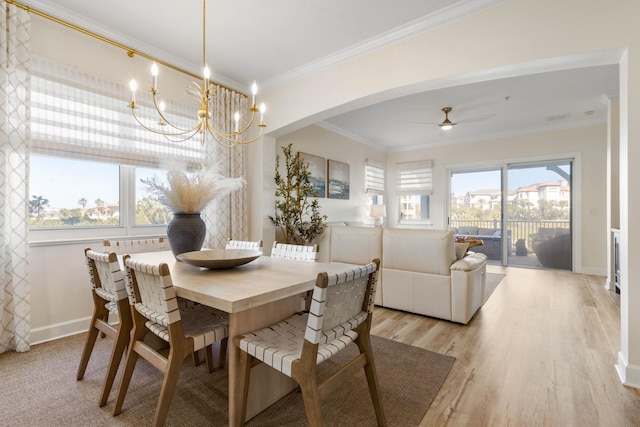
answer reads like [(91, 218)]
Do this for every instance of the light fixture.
[(446, 123), (206, 93), (378, 212)]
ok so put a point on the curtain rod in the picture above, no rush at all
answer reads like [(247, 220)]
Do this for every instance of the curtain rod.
[(130, 51)]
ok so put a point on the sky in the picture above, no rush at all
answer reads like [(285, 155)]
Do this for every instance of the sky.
[(64, 181), (461, 183)]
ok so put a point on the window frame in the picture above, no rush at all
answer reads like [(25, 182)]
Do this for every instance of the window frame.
[(414, 179)]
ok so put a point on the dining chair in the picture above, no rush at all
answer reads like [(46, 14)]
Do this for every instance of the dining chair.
[(109, 296), (122, 247), (184, 325), (340, 314), (299, 252), (243, 244)]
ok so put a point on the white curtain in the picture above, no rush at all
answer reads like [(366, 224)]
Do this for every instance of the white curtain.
[(227, 217), (15, 304)]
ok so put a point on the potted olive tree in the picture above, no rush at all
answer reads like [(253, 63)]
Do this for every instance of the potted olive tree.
[(297, 209)]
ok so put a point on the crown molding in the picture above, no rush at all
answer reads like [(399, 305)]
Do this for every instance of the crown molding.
[(421, 25)]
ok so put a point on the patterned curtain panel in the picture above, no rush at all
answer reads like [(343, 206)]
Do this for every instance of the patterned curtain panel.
[(227, 217), (15, 305)]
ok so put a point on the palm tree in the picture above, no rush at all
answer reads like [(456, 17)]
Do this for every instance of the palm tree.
[(37, 205), (99, 205), (82, 202)]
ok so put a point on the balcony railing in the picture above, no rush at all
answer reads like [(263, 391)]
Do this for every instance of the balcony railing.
[(520, 229)]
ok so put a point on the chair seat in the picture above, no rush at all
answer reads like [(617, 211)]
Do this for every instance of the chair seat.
[(204, 324), (112, 307), (281, 344)]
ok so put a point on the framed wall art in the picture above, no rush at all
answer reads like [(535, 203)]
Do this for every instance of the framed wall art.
[(338, 173), (318, 172)]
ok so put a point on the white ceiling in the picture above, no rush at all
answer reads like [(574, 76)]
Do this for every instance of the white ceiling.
[(276, 41)]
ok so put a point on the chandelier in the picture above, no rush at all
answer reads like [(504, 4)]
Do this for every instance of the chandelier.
[(205, 92)]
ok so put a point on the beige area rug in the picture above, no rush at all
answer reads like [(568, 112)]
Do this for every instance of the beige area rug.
[(491, 283), (38, 388)]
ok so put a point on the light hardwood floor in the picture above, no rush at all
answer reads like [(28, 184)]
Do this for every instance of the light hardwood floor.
[(540, 352)]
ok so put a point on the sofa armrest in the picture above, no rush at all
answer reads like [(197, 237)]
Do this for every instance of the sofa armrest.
[(469, 262)]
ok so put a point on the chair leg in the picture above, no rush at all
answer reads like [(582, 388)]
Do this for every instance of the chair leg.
[(196, 358), (208, 357), (88, 348), (174, 363), (311, 398), (119, 347), (130, 364), (242, 387), (106, 320), (364, 344), (222, 355)]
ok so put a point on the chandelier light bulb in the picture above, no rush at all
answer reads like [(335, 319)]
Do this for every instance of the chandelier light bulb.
[(154, 75), (236, 117), (263, 108), (134, 87), (206, 72), (161, 106), (254, 92)]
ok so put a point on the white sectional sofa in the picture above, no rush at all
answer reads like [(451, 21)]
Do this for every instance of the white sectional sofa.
[(420, 271)]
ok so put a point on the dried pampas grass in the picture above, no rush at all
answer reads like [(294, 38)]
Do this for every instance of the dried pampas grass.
[(191, 191)]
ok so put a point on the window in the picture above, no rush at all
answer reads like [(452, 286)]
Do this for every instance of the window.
[(70, 192), (374, 185), (148, 211), (89, 154), (413, 188)]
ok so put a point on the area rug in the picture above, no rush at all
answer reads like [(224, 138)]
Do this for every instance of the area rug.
[(491, 283), (38, 388)]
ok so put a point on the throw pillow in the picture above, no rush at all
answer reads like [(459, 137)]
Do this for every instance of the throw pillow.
[(461, 250)]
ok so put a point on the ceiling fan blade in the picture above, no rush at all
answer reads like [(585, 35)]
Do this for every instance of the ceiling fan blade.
[(426, 123), (477, 118)]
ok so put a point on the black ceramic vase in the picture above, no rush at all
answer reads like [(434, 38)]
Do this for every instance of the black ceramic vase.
[(186, 233)]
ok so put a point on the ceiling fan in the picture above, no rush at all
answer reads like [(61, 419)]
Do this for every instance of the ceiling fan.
[(447, 124)]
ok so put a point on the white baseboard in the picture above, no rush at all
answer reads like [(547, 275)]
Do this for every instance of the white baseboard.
[(629, 374), (594, 271), (59, 330)]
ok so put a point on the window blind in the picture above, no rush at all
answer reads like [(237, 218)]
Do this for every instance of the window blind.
[(374, 177), (414, 178), (78, 114)]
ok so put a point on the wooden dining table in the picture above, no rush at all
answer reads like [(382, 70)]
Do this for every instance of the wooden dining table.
[(255, 295)]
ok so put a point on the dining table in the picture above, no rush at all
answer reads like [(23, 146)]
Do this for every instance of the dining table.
[(257, 294)]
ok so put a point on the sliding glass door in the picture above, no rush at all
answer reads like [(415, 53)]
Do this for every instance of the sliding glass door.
[(476, 209), (539, 214), (536, 207)]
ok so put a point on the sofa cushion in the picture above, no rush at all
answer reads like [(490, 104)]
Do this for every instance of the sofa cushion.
[(486, 231), (420, 251), (356, 245), (470, 230)]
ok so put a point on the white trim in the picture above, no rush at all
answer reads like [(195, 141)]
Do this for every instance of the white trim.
[(59, 330), (594, 271), (629, 374), (426, 23)]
